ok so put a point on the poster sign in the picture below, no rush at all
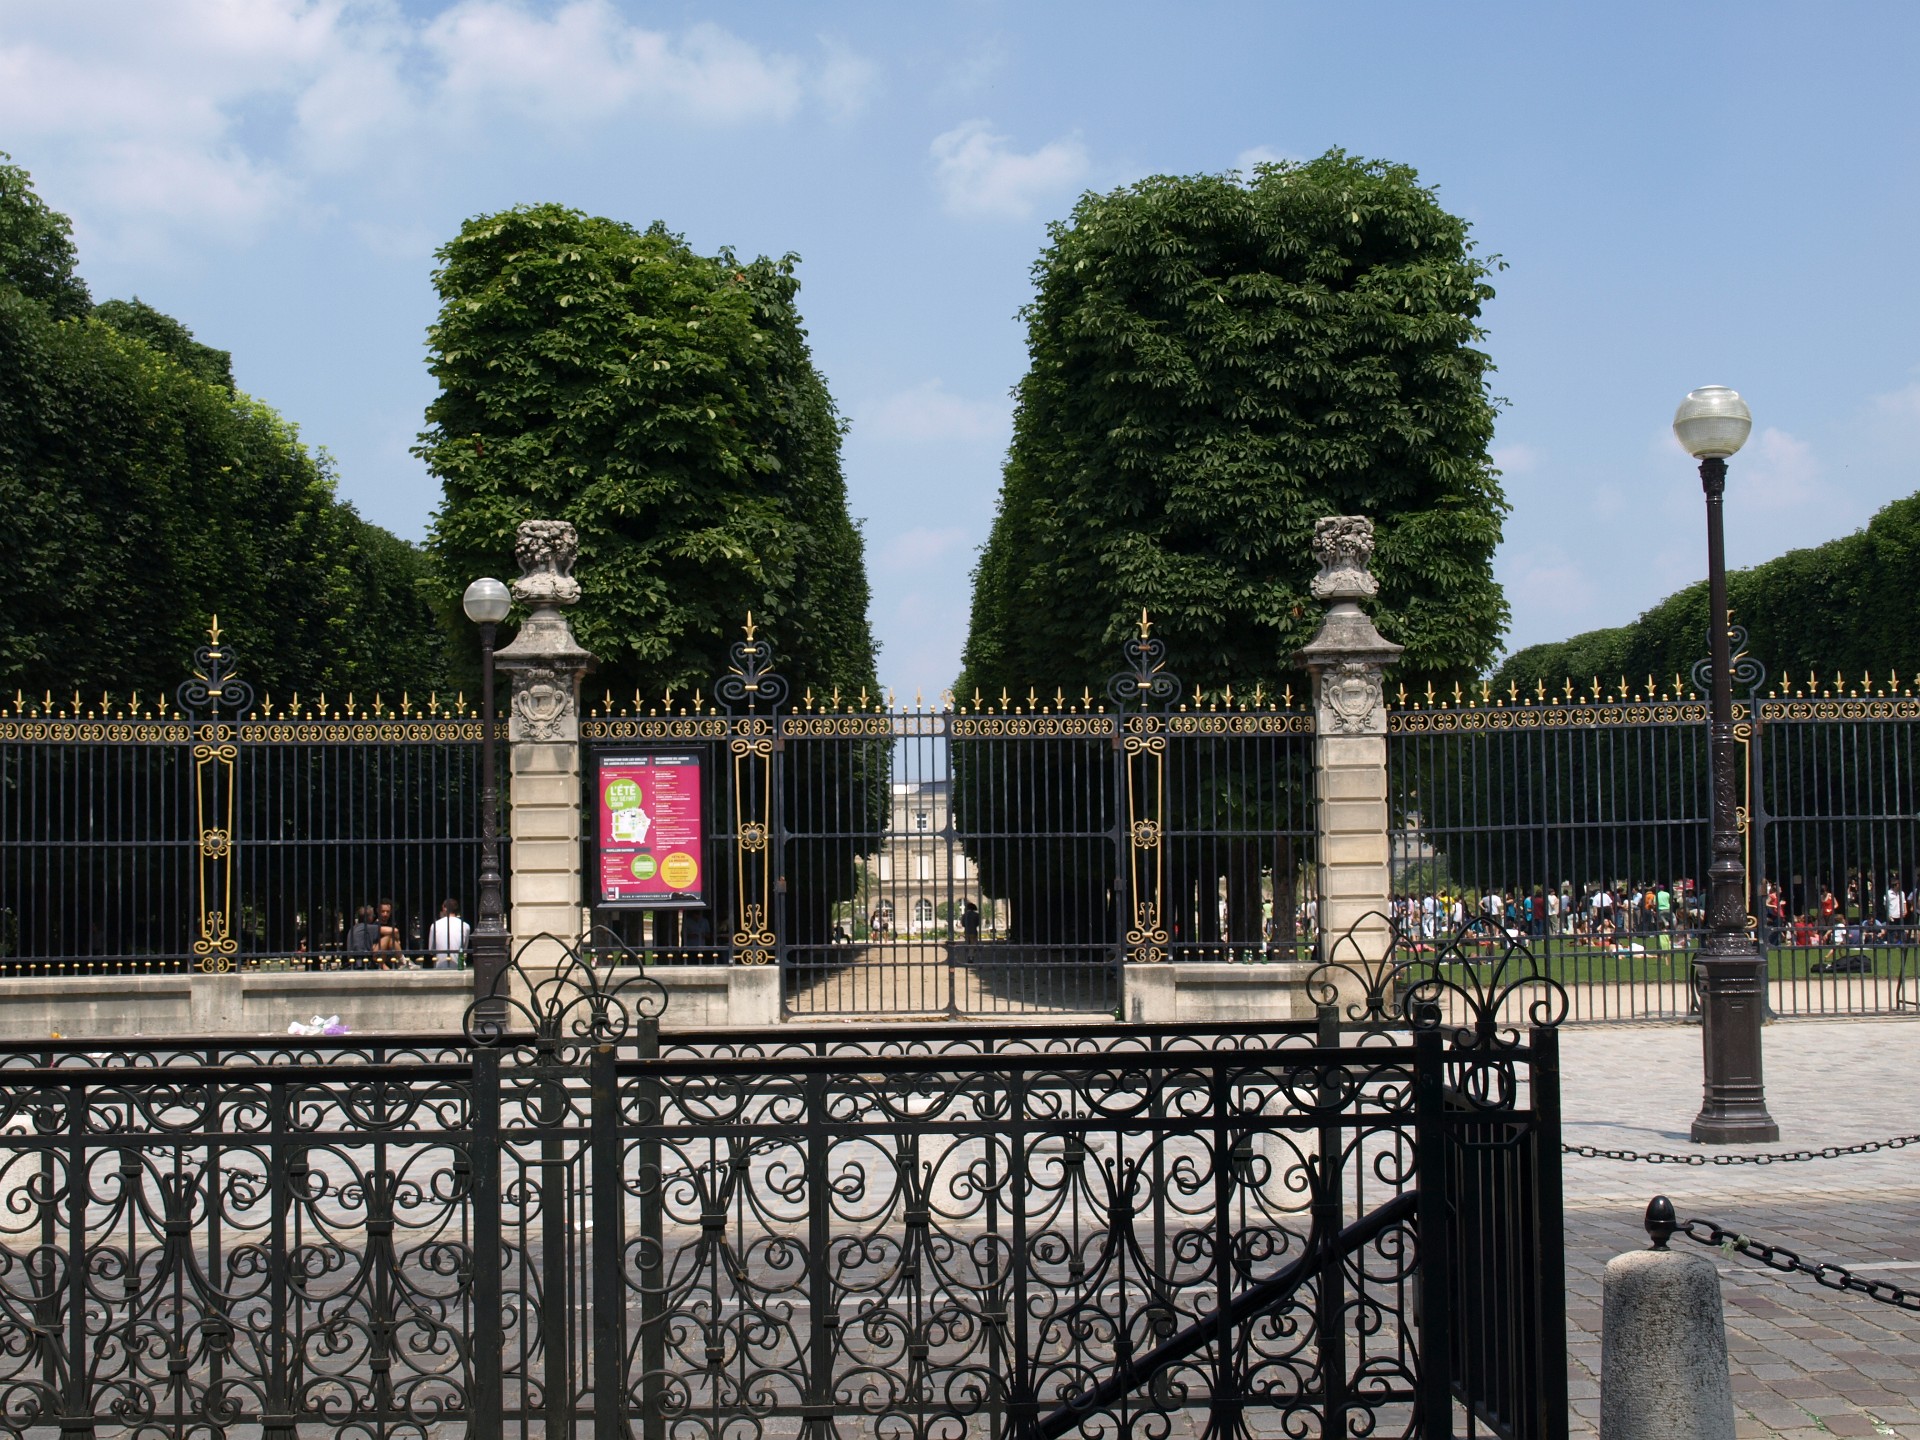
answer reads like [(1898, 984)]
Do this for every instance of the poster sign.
[(651, 851)]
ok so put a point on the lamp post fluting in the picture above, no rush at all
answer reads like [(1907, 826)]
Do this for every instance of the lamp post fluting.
[(1713, 423), (486, 603)]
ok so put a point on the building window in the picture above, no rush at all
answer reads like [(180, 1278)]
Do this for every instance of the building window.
[(923, 867), (920, 820), (922, 913), (960, 867), (886, 866)]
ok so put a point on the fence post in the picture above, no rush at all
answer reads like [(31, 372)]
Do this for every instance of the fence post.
[(1346, 657), (543, 730), (607, 1247), (1434, 1387), (1549, 1381), (486, 1346)]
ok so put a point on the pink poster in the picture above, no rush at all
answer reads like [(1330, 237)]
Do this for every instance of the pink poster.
[(650, 836)]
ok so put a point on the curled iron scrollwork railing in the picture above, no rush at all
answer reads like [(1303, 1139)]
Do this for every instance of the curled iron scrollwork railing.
[(555, 993), (1477, 980)]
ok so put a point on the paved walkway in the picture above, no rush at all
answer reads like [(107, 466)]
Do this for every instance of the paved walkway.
[(1807, 1362)]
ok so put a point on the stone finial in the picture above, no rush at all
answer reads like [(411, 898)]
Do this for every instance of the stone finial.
[(546, 551), (1343, 544), (1347, 654), (546, 661)]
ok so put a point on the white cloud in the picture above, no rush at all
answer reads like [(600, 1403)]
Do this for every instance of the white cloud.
[(981, 175), (213, 117), (1517, 459), (846, 80), (583, 63), (929, 413)]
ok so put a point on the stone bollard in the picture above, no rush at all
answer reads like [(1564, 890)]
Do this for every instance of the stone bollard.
[(1663, 1343)]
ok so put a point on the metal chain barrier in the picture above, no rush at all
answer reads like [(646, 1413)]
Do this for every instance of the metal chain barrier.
[(1776, 1157), (1778, 1257)]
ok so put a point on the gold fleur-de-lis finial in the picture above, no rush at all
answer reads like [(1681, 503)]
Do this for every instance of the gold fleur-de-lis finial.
[(750, 627), (213, 630), (1146, 625)]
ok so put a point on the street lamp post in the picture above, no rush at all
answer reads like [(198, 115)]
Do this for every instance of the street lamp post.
[(1712, 423), (486, 603)]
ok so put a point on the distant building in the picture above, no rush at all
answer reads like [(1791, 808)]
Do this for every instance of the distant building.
[(920, 878)]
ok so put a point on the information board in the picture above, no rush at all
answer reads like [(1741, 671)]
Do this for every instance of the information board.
[(651, 850)]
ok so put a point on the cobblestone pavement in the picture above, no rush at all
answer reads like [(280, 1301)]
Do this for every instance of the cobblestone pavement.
[(1807, 1361)]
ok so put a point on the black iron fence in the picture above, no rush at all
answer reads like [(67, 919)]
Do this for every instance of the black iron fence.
[(985, 856), (991, 854), (209, 831), (1583, 823), (563, 1227)]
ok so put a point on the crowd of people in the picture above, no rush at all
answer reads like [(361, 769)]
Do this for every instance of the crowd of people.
[(1661, 914), (1598, 914)]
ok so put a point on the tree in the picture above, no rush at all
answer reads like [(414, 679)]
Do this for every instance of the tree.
[(665, 403), (1842, 607), (144, 494), (163, 333), (1833, 611), (36, 246), (1216, 363)]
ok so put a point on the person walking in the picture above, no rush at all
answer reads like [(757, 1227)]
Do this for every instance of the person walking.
[(447, 938)]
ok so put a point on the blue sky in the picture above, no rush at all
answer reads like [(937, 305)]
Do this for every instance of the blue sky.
[(1684, 194)]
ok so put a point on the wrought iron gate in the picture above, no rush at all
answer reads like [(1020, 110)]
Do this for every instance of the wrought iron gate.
[(573, 1227)]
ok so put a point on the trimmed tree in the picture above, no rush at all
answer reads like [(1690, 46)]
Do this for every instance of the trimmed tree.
[(144, 494), (1216, 363), (665, 403)]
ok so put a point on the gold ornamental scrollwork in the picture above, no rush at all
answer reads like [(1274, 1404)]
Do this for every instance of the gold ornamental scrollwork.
[(1496, 718), (752, 747), (1143, 763), (215, 779), (754, 941), (1147, 940)]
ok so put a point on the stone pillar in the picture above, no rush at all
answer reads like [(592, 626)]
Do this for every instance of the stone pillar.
[(543, 733), (1347, 658)]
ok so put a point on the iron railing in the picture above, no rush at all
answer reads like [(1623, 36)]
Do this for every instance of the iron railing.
[(990, 855), (1583, 824), (983, 857), (212, 831), (558, 1227)]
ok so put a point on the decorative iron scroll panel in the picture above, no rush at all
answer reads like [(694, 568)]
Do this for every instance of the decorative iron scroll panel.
[(990, 1234)]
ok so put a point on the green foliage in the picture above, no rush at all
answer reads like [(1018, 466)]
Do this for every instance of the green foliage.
[(140, 320), (665, 403), (144, 495), (36, 246), (1216, 364), (1843, 607)]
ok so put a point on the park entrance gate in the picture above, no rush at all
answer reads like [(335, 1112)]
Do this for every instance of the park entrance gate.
[(570, 1226), (984, 857)]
